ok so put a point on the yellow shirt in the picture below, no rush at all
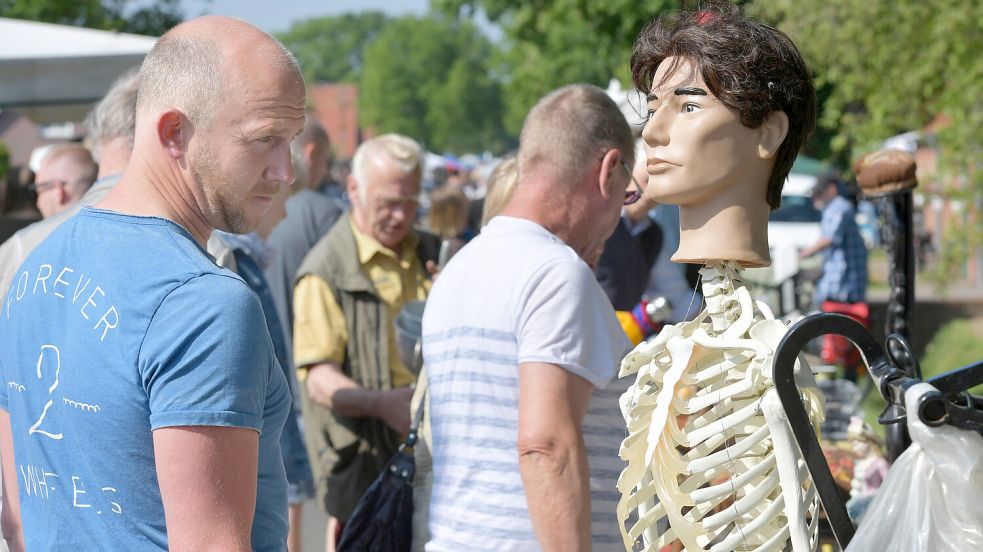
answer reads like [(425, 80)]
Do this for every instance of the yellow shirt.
[(320, 330)]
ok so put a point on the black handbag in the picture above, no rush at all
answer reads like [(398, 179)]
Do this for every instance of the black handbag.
[(383, 518)]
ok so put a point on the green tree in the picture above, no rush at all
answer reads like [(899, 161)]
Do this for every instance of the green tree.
[(551, 43), (4, 160), (330, 49), (428, 78), (152, 19), (891, 66)]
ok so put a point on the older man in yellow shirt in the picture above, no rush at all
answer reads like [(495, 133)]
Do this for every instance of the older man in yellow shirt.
[(350, 287)]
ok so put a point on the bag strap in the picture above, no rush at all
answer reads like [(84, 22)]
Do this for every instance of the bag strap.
[(411, 437)]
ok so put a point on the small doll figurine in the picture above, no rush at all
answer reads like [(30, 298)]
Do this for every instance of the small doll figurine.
[(870, 468)]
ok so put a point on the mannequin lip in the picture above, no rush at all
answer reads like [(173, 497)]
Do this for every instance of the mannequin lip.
[(658, 164)]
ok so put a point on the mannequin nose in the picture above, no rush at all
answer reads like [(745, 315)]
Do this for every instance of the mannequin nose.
[(656, 130)]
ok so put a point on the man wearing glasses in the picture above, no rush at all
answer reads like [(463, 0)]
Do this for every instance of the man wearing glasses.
[(65, 174), (520, 341), (350, 287)]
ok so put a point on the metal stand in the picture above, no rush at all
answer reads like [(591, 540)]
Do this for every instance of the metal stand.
[(950, 404)]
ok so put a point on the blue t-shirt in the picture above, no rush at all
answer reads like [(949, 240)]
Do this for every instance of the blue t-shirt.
[(115, 326)]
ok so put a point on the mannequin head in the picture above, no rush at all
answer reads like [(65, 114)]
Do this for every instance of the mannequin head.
[(730, 103), (752, 69)]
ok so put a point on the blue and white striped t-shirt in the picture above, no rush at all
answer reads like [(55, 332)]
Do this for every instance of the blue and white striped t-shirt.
[(515, 294)]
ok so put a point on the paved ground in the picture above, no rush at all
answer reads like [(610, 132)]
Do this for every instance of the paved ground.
[(313, 527)]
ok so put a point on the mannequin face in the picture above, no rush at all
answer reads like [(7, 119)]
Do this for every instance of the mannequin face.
[(696, 145)]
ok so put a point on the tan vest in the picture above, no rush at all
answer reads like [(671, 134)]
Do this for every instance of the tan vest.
[(349, 453)]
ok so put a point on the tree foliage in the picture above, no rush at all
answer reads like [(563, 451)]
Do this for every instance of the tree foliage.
[(892, 66), (428, 78), (147, 18), (331, 49), (551, 43)]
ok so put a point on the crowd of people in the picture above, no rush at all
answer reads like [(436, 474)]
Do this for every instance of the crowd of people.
[(198, 336)]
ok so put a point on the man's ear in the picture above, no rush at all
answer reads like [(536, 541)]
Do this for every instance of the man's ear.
[(772, 133), (174, 130), (309, 151), (609, 166), (352, 188), (64, 198)]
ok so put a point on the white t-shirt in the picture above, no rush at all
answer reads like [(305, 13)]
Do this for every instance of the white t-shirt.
[(515, 294)]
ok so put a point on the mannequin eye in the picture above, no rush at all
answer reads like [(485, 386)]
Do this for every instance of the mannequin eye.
[(690, 108)]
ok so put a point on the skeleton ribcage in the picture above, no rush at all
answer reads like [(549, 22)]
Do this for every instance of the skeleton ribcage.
[(710, 458)]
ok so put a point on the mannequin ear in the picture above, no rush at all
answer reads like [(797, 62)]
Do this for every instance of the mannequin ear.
[(173, 131), (773, 132)]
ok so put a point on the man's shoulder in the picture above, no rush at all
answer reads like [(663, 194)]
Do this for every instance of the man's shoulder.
[(124, 240), (29, 237), (332, 252)]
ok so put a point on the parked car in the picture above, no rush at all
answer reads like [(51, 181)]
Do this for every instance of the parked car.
[(791, 227)]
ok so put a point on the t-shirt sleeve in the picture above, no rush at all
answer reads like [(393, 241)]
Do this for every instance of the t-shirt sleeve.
[(207, 357), (320, 332), (565, 319)]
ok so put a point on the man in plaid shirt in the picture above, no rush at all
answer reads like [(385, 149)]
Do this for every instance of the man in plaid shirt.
[(842, 287)]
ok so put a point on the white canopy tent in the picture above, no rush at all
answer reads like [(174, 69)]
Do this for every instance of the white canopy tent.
[(54, 73)]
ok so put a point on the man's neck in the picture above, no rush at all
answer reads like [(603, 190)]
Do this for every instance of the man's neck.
[(113, 157), (155, 189), (560, 212)]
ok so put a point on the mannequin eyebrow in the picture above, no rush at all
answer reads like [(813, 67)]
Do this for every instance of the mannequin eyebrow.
[(684, 91), (690, 91)]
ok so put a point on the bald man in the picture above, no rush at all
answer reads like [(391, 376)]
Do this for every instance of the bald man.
[(65, 174), (146, 403)]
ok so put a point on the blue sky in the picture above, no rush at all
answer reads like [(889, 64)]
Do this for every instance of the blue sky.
[(277, 16)]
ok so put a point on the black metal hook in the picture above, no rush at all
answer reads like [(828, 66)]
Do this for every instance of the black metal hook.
[(799, 334)]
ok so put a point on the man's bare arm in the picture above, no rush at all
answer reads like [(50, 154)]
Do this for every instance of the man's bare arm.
[(329, 387), (552, 458), (10, 524), (207, 479), (821, 243)]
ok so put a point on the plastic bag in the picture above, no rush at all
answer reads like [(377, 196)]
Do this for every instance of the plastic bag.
[(930, 500)]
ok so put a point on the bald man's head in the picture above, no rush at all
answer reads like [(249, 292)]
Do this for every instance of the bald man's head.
[(198, 63), (64, 176), (219, 103)]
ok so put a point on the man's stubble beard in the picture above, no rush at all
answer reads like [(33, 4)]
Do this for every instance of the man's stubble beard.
[(219, 191)]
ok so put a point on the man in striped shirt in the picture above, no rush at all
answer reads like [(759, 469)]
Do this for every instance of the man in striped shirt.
[(520, 341)]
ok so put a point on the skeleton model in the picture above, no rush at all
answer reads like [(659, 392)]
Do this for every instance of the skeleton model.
[(711, 460), (722, 462)]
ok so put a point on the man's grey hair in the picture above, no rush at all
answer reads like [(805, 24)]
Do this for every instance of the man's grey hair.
[(186, 72), (399, 149), (567, 131), (115, 116), (313, 133)]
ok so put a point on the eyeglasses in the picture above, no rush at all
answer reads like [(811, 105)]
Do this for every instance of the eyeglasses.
[(631, 196), (41, 187)]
